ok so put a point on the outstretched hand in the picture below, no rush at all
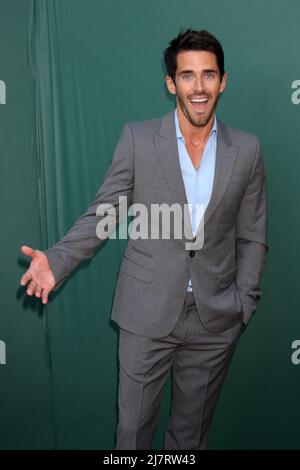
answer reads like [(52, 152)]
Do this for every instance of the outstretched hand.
[(39, 274)]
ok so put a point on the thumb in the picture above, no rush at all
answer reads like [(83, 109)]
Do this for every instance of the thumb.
[(26, 250)]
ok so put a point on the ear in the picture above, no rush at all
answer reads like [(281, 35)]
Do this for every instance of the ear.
[(170, 85), (223, 82)]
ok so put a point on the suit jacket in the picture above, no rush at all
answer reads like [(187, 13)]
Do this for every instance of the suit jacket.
[(154, 273)]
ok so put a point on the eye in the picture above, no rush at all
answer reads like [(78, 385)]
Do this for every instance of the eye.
[(209, 75), (187, 76)]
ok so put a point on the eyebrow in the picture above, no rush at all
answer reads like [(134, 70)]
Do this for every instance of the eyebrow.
[(204, 71)]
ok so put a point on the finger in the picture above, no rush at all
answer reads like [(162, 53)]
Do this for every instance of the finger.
[(38, 292), (45, 296), (31, 287), (25, 278), (26, 250)]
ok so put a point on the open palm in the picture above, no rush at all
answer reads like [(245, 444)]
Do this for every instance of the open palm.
[(39, 276)]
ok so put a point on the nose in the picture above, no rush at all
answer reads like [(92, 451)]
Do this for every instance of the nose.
[(199, 83)]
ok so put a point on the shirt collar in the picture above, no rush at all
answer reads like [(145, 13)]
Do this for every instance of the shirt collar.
[(214, 129)]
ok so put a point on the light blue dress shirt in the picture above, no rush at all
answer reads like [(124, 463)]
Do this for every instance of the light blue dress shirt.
[(198, 182)]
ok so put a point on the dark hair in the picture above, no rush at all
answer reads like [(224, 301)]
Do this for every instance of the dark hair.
[(190, 40)]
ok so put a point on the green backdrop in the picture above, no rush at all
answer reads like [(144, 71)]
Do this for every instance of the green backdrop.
[(75, 72)]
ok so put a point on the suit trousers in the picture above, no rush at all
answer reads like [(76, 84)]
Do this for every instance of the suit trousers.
[(198, 360)]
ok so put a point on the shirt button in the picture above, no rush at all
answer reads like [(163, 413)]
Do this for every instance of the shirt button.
[(192, 253)]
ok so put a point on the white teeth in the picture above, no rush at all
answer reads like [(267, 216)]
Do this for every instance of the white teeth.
[(199, 101)]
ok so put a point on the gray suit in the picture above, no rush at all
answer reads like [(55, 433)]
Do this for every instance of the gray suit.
[(150, 297)]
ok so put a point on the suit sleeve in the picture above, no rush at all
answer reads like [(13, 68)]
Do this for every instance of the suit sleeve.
[(251, 237), (81, 241)]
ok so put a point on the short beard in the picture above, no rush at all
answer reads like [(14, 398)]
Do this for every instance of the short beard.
[(188, 115)]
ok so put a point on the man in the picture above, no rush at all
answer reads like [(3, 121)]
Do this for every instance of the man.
[(177, 308)]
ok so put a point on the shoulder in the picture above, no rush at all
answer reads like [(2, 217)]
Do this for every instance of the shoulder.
[(242, 138), (146, 127), (247, 144)]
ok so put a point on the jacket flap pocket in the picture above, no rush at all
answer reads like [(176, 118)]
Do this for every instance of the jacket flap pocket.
[(135, 270), (227, 277)]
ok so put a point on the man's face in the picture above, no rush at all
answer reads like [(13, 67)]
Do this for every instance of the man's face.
[(197, 85)]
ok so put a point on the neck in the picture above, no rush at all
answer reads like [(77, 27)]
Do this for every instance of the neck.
[(193, 134)]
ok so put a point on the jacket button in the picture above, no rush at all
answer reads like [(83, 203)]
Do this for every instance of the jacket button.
[(192, 253)]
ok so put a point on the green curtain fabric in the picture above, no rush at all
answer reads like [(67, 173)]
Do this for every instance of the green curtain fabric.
[(85, 93), (26, 407), (91, 67)]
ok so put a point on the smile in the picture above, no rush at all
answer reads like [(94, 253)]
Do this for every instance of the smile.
[(199, 104)]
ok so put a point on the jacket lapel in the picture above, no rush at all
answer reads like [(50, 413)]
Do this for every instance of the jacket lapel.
[(166, 142), (225, 160), (167, 150)]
